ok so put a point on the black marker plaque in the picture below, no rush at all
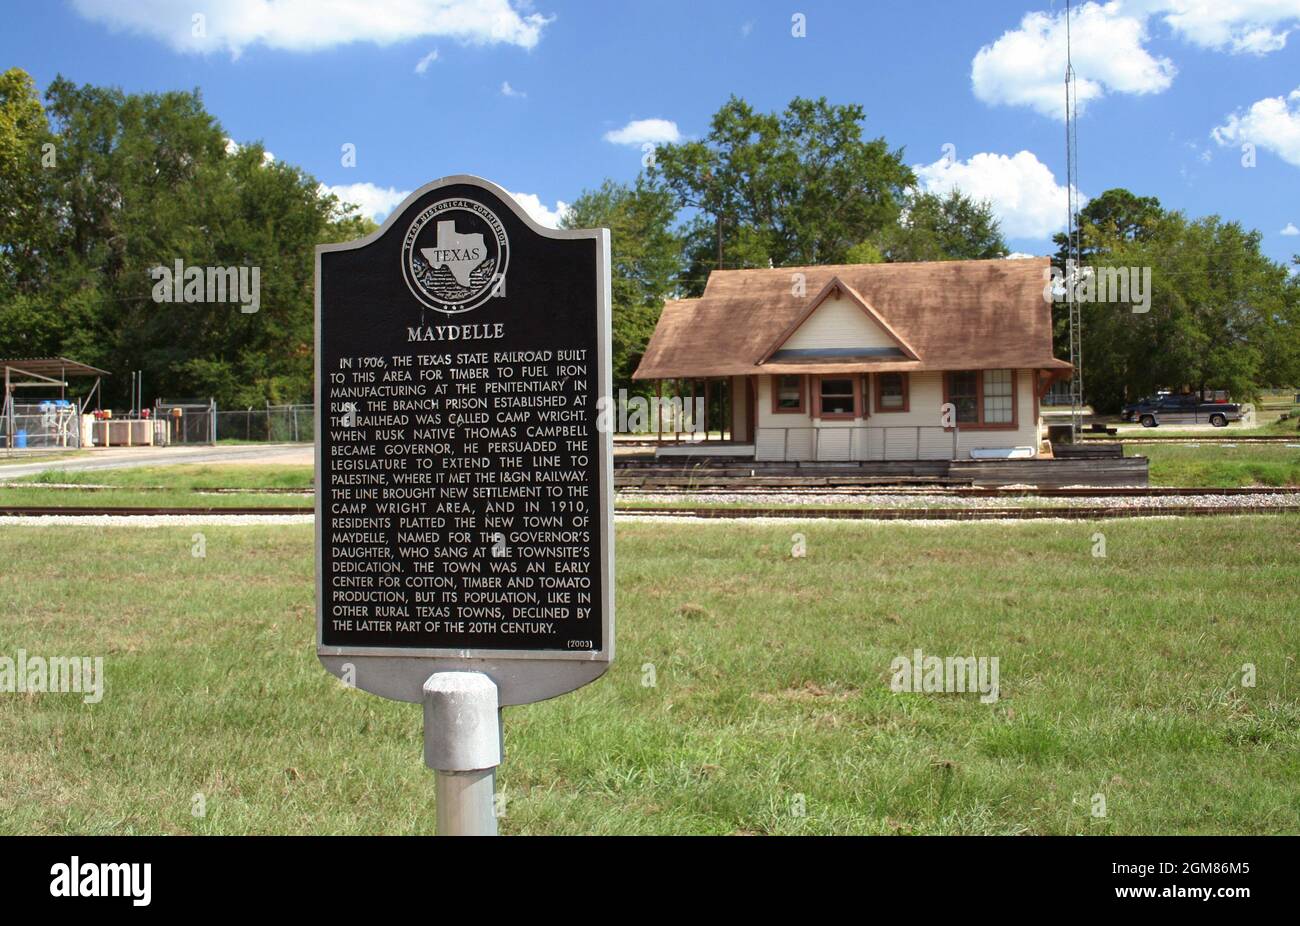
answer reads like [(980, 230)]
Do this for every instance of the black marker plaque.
[(463, 497)]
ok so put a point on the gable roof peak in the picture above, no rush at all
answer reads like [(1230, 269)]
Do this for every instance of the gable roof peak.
[(836, 286)]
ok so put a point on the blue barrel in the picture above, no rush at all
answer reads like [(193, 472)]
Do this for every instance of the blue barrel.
[(20, 439)]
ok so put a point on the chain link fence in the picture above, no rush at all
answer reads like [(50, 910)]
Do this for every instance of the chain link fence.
[(52, 423), (191, 422), (274, 423)]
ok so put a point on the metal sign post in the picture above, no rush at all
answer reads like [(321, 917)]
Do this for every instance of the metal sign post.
[(462, 744), (464, 492)]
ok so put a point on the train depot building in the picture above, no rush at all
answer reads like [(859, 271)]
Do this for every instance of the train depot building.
[(856, 362)]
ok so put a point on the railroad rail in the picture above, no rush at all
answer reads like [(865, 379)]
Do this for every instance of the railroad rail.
[(811, 490), (965, 491), (198, 490), (955, 514), (33, 511), (1090, 512), (1216, 439)]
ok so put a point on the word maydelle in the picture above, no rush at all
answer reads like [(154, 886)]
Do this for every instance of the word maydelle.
[(483, 331)]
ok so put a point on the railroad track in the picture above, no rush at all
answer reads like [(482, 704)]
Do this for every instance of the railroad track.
[(1091, 512), (955, 514), (811, 493), (966, 491), (197, 490), (34, 511), (785, 487), (1123, 439)]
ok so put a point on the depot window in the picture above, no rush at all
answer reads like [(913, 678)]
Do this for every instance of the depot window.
[(982, 398), (837, 397), (891, 392), (997, 397), (788, 394)]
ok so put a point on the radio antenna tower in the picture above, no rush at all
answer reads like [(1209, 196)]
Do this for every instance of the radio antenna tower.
[(1073, 256)]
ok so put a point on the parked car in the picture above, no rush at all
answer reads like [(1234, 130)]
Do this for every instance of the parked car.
[(1183, 409), (1146, 403)]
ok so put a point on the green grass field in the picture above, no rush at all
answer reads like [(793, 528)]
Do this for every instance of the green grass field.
[(135, 498), (1120, 676), (181, 487), (1219, 465), (187, 476)]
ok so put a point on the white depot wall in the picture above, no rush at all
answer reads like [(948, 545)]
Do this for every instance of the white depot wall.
[(838, 322), (890, 435)]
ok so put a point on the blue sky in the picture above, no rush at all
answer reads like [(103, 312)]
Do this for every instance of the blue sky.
[(526, 94)]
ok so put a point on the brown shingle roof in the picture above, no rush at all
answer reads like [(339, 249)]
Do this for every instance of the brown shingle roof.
[(955, 315)]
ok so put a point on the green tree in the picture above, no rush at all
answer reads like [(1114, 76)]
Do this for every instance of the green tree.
[(952, 227), (25, 155), (646, 257), (1115, 216), (793, 188), (144, 180), (1221, 314)]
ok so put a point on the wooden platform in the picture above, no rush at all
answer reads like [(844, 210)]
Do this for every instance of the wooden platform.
[(1091, 471), (697, 450), (1090, 451), (721, 472)]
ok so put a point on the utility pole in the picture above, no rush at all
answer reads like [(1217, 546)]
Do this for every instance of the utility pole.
[(1073, 256)]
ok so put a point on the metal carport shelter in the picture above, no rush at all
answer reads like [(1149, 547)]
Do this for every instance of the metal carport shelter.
[(44, 372)]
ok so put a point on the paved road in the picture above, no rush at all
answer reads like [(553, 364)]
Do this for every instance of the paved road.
[(127, 457)]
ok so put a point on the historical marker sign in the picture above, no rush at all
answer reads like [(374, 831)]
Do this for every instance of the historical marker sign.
[(464, 493)]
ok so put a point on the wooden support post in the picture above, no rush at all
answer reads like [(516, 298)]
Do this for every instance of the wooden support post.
[(695, 404), (706, 409), (677, 425), (728, 414), (659, 410)]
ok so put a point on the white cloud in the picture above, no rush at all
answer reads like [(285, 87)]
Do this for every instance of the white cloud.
[(423, 64), (540, 212), (1272, 123), (507, 90), (1026, 66), (1290, 230), (1240, 26), (1260, 41), (1026, 198), (311, 25), (375, 202), (1020, 255), (641, 131)]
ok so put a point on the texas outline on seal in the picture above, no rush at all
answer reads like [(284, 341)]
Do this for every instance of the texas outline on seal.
[(454, 255)]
